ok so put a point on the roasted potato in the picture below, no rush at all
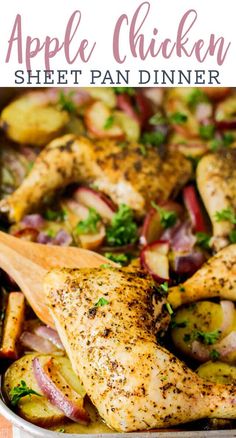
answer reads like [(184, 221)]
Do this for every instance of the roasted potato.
[(203, 316), (218, 372), (37, 410), (32, 121)]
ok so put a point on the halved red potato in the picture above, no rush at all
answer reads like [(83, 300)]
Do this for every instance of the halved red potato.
[(152, 228), (58, 390), (194, 209), (154, 258), (97, 200), (189, 128), (77, 212), (129, 126), (225, 114), (97, 118)]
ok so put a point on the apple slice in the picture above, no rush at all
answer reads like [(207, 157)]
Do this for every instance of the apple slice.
[(97, 200), (154, 258), (129, 126), (97, 117), (152, 228), (194, 209), (58, 390)]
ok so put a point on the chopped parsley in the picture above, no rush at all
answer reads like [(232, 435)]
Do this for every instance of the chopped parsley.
[(125, 90), (169, 309), (227, 214), (120, 258), (101, 302), (181, 288), (153, 138), (203, 240), (66, 102), (232, 236), (207, 338), (195, 97), (214, 354), (207, 132), (181, 324), (164, 287), (157, 119), (53, 215), (178, 118), (167, 218), (109, 122), (225, 141), (187, 337), (20, 391), (123, 229), (90, 224)]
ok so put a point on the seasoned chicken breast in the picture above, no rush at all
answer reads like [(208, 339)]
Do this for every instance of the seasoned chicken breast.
[(216, 278), (216, 180), (105, 320), (121, 171)]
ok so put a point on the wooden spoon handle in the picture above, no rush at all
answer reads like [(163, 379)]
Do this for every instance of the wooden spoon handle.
[(29, 277)]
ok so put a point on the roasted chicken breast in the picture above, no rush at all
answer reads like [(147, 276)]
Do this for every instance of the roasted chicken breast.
[(105, 320), (120, 171), (216, 180)]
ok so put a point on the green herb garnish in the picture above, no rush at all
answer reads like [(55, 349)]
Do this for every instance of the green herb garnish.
[(181, 288), (53, 215), (20, 391), (227, 214), (66, 102), (157, 119), (125, 90), (106, 266), (153, 138), (203, 240), (225, 141), (101, 302), (195, 97), (214, 354), (167, 218), (207, 338), (178, 118), (186, 337), (169, 309), (207, 132), (109, 122), (120, 258), (143, 150), (123, 229), (232, 236), (90, 224)]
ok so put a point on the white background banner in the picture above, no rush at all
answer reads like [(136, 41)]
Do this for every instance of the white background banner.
[(162, 43)]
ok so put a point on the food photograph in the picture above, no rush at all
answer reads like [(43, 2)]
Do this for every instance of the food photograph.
[(118, 261)]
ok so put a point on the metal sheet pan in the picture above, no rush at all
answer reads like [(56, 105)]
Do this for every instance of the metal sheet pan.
[(38, 432)]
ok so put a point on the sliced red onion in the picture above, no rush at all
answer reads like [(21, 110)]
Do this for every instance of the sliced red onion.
[(180, 237), (227, 345), (203, 111), (37, 343), (188, 263), (201, 352), (33, 221), (44, 238), (228, 315), (49, 334), (62, 238)]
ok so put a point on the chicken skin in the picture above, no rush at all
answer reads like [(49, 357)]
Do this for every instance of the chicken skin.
[(105, 320), (215, 279), (120, 171), (216, 180)]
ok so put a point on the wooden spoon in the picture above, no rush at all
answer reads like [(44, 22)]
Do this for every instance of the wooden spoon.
[(27, 263)]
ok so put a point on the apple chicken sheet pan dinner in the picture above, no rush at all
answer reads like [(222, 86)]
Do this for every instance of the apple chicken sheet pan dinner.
[(147, 178)]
